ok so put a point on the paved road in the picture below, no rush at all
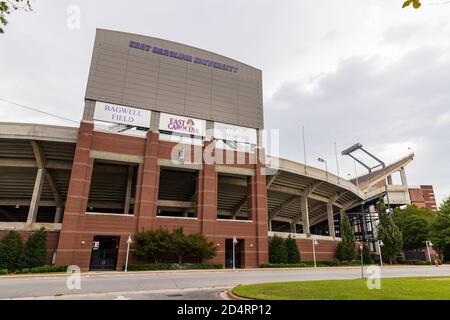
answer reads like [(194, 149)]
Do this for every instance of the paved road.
[(181, 284)]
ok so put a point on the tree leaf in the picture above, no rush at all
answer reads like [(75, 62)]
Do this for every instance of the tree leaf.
[(407, 3)]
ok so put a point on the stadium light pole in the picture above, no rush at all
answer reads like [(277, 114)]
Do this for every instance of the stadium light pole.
[(322, 160)]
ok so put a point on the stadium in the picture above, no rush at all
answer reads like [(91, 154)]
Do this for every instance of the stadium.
[(171, 136)]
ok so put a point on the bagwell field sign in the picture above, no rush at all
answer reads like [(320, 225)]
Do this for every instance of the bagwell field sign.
[(182, 56), (113, 113)]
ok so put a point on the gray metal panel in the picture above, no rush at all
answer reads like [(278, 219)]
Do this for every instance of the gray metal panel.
[(143, 79)]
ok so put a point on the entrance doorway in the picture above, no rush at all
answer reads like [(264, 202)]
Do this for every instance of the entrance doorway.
[(104, 253), (238, 254)]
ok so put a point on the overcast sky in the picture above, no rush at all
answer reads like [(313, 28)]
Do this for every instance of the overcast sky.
[(349, 71)]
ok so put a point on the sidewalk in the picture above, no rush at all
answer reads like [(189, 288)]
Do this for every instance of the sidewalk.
[(153, 272)]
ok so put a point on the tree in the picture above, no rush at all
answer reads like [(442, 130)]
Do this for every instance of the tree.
[(367, 255), (416, 3), (35, 252), (346, 249), (200, 247), (414, 224), (277, 251), (152, 244), (293, 254), (158, 244), (179, 244), (11, 250), (389, 234), (7, 6), (440, 230)]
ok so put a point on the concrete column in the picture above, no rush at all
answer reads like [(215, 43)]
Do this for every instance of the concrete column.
[(37, 190), (293, 228), (58, 212), (269, 225), (330, 217), (403, 177), (389, 180), (305, 216)]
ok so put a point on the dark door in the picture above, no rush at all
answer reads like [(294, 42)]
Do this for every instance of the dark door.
[(238, 252), (104, 253)]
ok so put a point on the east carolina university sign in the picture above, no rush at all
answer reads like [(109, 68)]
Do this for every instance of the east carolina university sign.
[(180, 124), (114, 113)]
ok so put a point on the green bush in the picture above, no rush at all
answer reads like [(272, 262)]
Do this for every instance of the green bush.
[(293, 254), (62, 268), (3, 271), (400, 259), (48, 268), (34, 251), (173, 266), (11, 250), (277, 251), (157, 244), (23, 270), (43, 269)]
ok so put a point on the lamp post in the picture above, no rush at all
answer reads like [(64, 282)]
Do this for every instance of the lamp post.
[(322, 160), (314, 244), (361, 248), (129, 241), (235, 242), (380, 244), (428, 244)]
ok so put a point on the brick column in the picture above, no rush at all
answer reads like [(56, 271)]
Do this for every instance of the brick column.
[(206, 202), (258, 212), (207, 196), (148, 197), (70, 248)]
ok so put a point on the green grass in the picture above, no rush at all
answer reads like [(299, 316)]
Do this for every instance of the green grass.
[(424, 288)]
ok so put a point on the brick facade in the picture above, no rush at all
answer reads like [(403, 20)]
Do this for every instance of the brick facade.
[(79, 227), (423, 197)]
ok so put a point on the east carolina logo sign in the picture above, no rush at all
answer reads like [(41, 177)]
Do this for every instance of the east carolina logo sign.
[(174, 123)]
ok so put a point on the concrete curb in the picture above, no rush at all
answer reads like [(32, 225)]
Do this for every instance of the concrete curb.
[(229, 295)]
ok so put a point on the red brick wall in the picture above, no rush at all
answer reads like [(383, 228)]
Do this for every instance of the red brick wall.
[(325, 250), (52, 241), (423, 197), (79, 228)]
